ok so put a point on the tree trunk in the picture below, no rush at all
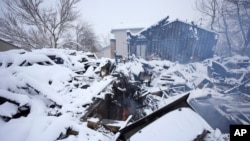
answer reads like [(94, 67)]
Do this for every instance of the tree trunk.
[(240, 23), (214, 4), (227, 36)]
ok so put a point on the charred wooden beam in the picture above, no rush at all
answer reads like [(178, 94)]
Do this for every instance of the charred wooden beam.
[(202, 136)]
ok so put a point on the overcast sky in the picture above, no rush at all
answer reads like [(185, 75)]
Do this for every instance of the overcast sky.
[(105, 15)]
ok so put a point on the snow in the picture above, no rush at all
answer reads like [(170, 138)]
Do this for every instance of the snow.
[(14, 59), (1, 122), (19, 129), (56, 99), (116, 123), (248, 84), (198, 93), (8, 109), (51, 132), (92, 119), (21, 99), (220, 110), (184, 125), (130, 67), (235, 59), (40, 86), (72, 59), (97, 87), (90, 72), (8, 80)]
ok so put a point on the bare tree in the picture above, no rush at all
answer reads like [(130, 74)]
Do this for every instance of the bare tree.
[(29, 24), (209, 9), (241, 15), (82, 38), (105, 39), (86, 36), (215, 13), (225, 31), (231, 19)]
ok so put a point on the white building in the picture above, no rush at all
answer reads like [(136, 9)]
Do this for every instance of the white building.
[(105, 52), (119, 43)]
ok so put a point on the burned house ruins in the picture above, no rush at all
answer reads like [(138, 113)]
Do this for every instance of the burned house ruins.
[(108, 100), (174, 41)]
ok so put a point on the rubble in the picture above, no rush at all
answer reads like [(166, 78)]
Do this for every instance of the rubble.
[(93, 123), (202, 82), (107, 69), (97, 97), (128, 131), (112, 125)]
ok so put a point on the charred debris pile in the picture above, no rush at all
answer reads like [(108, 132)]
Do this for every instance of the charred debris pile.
[(108, 95), (138, 88), (141, 87)]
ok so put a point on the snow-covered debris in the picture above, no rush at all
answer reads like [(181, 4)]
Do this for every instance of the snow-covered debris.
[(20, 99), (45, 93), (9, 81), (52, 78), (130, 68), (241, 61), (42, 100), (8, 109), (74, 60), (185, 122), (9, 59), (220, 110)]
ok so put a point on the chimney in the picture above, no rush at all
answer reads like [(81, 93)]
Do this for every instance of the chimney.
[(113, 47)]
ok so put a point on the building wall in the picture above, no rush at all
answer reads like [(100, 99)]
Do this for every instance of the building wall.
[(103, 52), (141, 51), (112, 47), (176, 41), (120, 36), (106, 52), (180, 43), (4, 46)]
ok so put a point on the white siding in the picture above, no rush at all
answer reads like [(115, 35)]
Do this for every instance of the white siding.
[(107, 52), (120, 36)]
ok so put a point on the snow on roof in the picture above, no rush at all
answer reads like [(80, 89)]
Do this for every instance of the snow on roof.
[(126, 26), (152, 25), (126, 29)]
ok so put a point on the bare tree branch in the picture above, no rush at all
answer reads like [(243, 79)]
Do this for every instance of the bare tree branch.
[(85, 38), (34, 25)]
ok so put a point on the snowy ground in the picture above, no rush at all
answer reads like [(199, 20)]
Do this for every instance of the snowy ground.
[(42, 100)]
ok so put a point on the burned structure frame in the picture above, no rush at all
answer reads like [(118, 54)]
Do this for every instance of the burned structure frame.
[(174, 41)]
